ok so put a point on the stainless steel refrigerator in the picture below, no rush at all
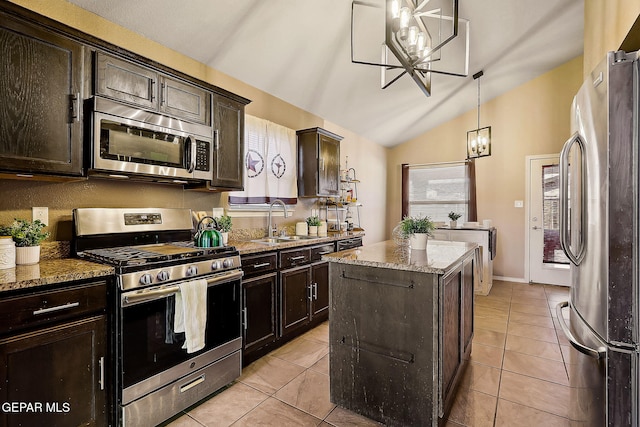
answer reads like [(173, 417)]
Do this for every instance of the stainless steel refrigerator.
[(599, 233)]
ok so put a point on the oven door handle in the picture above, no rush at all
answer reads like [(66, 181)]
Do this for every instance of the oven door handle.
[(163, 291)]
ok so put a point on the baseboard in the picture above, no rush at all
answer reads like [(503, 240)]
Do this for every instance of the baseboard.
[(511, 279)]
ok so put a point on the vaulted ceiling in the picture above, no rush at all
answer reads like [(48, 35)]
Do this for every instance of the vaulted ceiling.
[(300, 51)]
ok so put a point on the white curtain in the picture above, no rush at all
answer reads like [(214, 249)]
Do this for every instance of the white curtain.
[(270, 164)]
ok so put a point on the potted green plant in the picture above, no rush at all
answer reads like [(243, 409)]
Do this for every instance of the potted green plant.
[(225, 223), (27, 236), (313, 222), (454, 219), (416, 229)]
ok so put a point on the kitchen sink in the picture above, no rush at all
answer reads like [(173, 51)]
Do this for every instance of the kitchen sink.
[(282, 239), (267, 241), (287, 238)]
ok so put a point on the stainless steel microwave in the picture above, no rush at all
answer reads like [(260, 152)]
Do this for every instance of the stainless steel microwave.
[(134, 143)]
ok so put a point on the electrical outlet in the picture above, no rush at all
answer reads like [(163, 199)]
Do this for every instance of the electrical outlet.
[(41, 213), (518, 204)]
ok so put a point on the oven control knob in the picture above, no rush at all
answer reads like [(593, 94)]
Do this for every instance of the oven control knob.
[(228, 263), (215, 265), (163, 275), (192, 270), (146, 279)]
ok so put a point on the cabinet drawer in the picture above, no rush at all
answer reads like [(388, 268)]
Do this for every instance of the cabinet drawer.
[(294, 257), (318, 251), (19, 313), (354, 242), (255, 265)]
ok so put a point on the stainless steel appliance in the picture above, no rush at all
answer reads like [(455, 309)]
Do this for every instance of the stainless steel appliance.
[(599, 232), (153, 255), (129, 142)]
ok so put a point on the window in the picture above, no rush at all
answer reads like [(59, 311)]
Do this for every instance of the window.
[(437, 189)]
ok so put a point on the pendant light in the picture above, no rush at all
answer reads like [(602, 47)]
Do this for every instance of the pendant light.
[(479, 139)]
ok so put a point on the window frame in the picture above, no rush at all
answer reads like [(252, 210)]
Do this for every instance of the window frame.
[(471, 176)]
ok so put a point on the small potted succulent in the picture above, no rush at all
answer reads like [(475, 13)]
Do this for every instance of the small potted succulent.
[(416, 229), (224, 223), (454, 219), (313, 222), (27, 236)]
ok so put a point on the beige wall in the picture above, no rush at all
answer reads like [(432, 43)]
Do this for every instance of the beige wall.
[(530, 119), (606, 24), (17, 197)]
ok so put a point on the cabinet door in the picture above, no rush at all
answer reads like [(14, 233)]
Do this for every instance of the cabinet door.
[(450, 357), (295, 292), (126, 81), (328, 166), (318, 163), (40, 100), (320, 294), (228, 154), (260, 325), (184, 100), (60, 371), (467, 305)]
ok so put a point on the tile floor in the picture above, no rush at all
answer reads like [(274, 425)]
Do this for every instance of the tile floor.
[(517, 374)]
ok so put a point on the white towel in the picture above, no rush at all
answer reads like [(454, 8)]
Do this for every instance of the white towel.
[(191, 314)]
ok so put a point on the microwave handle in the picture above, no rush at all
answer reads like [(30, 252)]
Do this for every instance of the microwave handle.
[(191, 150)]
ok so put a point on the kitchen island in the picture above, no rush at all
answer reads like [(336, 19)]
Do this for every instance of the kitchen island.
[(400, 329)]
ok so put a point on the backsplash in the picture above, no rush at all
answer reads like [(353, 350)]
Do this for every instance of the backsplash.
[(18, 197)]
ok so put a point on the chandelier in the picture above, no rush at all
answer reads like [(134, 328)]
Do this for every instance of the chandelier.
[(414, 37), (479, 139)]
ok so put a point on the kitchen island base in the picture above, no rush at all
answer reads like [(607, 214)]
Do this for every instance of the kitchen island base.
[(399, 339)]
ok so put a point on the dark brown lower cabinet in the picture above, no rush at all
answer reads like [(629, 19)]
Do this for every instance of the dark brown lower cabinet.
[(261, 327), (399, 340), (320, 294), (296, 292), (451, 329), (55, 376)]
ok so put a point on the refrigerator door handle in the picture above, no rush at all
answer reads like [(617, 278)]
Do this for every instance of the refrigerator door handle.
[(565, 237), (599, 353)]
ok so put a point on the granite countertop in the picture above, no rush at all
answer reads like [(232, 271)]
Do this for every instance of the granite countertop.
[(67, 269), (51, 271), (439, 257), (246, 247)]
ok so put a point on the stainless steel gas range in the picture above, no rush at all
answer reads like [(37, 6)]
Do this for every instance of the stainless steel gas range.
[(154, 259)]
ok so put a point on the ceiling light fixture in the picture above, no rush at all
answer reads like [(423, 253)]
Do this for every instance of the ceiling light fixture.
[(479, 139), (415, 33)]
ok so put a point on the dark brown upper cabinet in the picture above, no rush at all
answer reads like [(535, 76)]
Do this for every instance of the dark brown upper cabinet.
[(318, 163), (228, 154), (181, 99), (40, 100), (126, 81)]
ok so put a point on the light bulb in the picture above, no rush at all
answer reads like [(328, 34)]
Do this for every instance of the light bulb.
[(405, 17), (412, 41), (421, 42), (395, 9)]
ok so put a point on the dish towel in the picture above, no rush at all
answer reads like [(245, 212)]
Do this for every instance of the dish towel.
[(191, 314)]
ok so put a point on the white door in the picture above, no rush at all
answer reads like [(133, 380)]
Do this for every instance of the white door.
[(546, 261)]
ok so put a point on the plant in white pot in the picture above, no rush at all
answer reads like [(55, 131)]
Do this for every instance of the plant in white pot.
[(454, 219), (224, 222), (313, 222), (27, 236), (416, 229)]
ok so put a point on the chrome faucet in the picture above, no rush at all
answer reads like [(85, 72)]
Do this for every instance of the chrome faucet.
[(277, 201)]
